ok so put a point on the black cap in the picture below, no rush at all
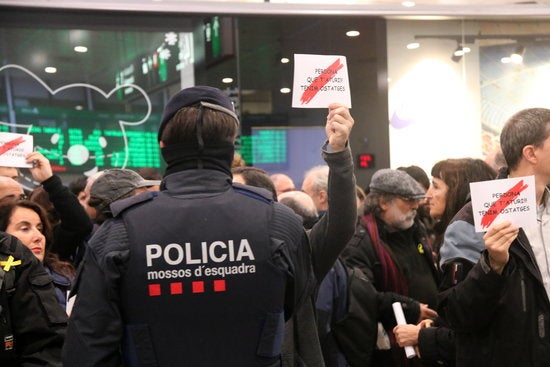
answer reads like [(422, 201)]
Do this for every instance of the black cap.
[(117, 183), (209, 97)]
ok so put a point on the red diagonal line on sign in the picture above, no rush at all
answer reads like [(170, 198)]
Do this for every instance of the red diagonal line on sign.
[(11, 144), (320, 81), (499, 205)]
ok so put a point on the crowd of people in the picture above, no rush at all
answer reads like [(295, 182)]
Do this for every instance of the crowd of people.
[(217, 263)]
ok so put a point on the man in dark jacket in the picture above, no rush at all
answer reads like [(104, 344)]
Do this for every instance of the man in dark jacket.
[(500, 312), (391, 249), (328, 236), (32, 326)]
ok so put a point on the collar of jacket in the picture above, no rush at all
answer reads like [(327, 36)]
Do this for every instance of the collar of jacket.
[(196, 182)]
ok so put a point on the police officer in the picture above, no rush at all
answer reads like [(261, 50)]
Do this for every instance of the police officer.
[(202, 273), (32, 323)]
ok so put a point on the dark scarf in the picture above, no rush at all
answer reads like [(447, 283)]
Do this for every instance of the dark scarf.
[(181, 157)]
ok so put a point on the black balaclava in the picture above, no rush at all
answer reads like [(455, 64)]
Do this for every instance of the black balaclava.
[(180, 156)]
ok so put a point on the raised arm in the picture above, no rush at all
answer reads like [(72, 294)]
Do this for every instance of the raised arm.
[(331, 234)]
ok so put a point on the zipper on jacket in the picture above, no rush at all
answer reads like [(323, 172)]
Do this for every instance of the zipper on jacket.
[(542, 329), (523, 296)]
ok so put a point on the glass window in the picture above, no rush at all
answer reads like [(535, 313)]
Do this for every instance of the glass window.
[(90, 87)]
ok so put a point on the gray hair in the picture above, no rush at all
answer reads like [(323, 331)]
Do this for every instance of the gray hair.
[(319, 174), (371, 204)]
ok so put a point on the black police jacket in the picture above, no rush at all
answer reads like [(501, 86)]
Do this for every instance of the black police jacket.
[(202, 274)]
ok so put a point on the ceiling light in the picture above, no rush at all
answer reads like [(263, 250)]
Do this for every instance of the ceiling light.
[(506, 60), (517, 56), (285, 90), (352, 33), (227, 80), (413, 45), (81, 49), (459, 52), (50, 70), (408, 4), (285, 60)]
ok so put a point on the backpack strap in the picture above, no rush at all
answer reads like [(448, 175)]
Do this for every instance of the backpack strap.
[(7, 287)]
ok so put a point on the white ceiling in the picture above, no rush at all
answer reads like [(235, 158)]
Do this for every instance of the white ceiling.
[(386, 8)]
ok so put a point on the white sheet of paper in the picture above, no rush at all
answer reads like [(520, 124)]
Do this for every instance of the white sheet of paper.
[(320, 80), (14, 148), (511, 199)]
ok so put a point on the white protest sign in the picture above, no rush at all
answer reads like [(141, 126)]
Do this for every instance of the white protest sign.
[(511, 199), (14, 148), (320, 80)]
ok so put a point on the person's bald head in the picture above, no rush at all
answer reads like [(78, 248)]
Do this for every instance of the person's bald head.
[(9, 188), (302, 204), (282, 182)]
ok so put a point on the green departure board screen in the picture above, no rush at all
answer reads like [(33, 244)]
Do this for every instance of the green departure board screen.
[(265, 146), (83, 141)]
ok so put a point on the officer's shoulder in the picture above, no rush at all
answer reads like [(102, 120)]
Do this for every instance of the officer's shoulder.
[(120, 206), (254, 192)]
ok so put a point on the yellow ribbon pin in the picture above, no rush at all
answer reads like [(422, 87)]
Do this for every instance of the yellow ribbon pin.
[(9, 263), (420, 248)]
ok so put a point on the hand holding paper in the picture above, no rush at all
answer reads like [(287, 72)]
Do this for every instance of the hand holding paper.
[(338, 126), (498, 240), (400, 318), (41, 168)]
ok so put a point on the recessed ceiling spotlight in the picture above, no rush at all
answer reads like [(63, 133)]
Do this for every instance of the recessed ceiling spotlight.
[(517, 56), (459, 52), (408, 4), (352, 33), (81, 49), (285, 60), (506, 60), (227, 80), (285, 90), (50, 70), (413, 45)]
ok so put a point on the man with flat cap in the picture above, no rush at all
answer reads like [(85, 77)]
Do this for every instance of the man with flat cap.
[(391, 249), (202, 273), (113, 185)]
